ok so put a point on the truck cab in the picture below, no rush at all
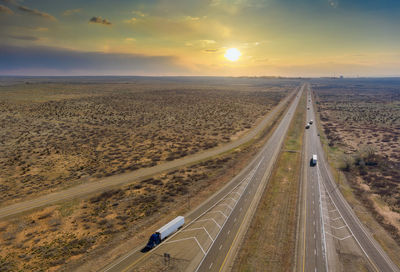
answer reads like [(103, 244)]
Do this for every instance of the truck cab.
[(154, 240)]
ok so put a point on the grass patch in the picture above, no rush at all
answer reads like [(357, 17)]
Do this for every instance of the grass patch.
[(270, 242), (67, 208)]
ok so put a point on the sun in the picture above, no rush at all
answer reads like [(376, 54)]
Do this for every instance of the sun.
[(232, 54)]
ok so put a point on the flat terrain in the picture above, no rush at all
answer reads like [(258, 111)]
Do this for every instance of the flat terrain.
[(80, 230), (270, 242), (362, 119), (56, 133), (207, 242)]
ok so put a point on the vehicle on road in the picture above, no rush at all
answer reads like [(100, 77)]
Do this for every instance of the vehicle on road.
[(311, 121), (313, 160), (165, 231), (307, 126)]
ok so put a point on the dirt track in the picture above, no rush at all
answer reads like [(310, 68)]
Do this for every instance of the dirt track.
[(112, 181)]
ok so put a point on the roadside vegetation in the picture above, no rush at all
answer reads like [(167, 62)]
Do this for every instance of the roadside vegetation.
[(57, 134), (96, 230), (359, 124), (270, 242)]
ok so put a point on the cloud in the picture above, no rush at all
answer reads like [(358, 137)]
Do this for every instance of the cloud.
[(71, 11), (201, 43), (131, 20), (40, 60), (37, 13), (4, 9), (333, 3), (99, 20), (139, 13), (24, 37), (211, 50), (41, 29), (180, 27)]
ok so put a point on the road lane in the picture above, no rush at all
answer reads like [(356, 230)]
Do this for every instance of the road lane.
[(350, 228), (203, 244), (314, 247)]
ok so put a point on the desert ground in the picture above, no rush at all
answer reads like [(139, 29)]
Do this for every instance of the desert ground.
[(59, 132), (361, 117)]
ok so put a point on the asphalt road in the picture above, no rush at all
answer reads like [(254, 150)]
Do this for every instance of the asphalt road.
[(314, 238), (320, 192), (88, 188), (205, 243)]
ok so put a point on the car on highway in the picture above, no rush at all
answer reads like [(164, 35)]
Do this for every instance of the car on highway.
[(307, 126)]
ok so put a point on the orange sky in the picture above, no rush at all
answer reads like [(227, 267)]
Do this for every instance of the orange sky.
[(184, 37)]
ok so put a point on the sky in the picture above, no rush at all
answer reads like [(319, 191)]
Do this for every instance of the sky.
[(190, 37)]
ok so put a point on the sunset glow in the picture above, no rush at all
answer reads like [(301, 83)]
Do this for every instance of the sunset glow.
[(279, 38), (232, 54)]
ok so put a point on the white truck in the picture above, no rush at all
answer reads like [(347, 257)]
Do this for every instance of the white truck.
[(313, 160), (165, 231)]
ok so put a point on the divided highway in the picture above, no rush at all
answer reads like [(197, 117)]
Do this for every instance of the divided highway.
[(327, 218), (207, 242)]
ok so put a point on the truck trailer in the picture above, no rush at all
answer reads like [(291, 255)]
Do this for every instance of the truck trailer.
[(165, 231), (313, 161)]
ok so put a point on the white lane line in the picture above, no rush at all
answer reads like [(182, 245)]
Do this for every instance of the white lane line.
[(226, 205), (315, 252), (314, 235), (202, 228), (210, 266), (355, 218), (336, 227), (231, 199), (236, 193), (339, 237), (210, 219), (219, 212), (229, 231), (220, 247), (324, 254), (183, 239)]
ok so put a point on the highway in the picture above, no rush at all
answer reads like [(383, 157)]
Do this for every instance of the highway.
[(87, 188), (314, 238), (328, 223), (206, 243)]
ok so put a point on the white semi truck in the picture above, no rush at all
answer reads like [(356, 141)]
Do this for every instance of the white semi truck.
[(165, 231), (313, 160)]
